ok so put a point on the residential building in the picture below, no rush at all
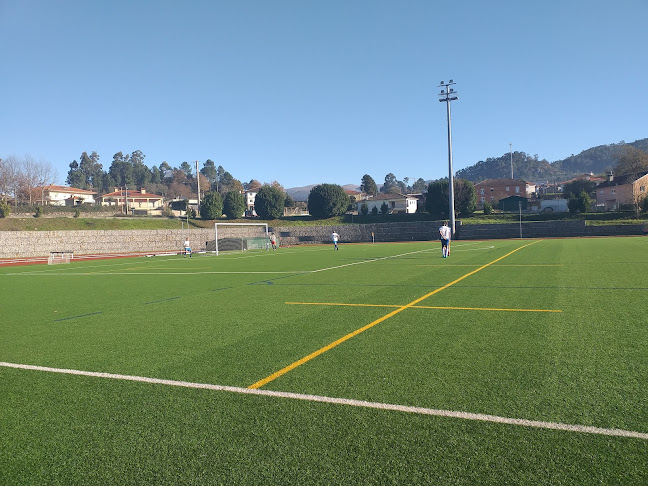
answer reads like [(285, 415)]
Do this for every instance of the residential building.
[(137, 202), (492, 190), (627, 190), (63, 195), (250, 197), (397, 203)]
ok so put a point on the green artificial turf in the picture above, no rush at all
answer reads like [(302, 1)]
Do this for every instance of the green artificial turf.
[(238, 318)]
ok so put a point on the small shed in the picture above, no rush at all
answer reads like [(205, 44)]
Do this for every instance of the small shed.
[(512, 203)]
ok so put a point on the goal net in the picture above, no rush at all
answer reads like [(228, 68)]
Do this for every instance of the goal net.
[(59, 257), (241, 236)]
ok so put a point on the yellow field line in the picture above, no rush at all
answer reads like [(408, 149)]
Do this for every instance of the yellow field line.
[(315, 354), (424, 307), (504, 265)]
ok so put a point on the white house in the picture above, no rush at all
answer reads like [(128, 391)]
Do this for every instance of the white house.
[(397, 203), (64, 196), (136, 201)]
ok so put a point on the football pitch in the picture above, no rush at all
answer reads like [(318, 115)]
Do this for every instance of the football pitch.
[(510, 362)]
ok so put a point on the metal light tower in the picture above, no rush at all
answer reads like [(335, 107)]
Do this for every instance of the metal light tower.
[(448, 94)]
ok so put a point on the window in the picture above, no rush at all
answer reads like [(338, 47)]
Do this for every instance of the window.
[(613, 191), (482, 199), (393, 204), (507, 188), (481, 191), (517, 189), (492, 189), (642, 189)]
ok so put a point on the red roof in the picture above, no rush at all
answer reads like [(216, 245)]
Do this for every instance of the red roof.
[(71, 190), (133, 194)]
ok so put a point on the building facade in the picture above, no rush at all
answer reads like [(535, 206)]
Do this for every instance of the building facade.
[(493, 190)]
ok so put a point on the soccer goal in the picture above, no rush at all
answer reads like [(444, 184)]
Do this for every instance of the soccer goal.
[(241, 236), (59, 257)]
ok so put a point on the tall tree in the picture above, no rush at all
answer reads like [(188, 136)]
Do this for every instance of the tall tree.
[(253, 185), (90, 167), (269, 202), (186, 168), (75, 177), (631, 161), (234, 204), (391, 185), (437, 200), (211, 207), (121, 170), (209, 170), (327, 200), (141, 173), (368, 185), (418, 186)]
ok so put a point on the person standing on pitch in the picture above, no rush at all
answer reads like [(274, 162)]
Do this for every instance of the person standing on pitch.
[(273, 241), (335, 237), (187, 248), (445, 234)]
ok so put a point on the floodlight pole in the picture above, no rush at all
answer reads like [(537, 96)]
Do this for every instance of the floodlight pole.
[(447, 94)]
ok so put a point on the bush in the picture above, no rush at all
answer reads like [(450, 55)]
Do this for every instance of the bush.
[(384, 208), (488, 208), (374, 210), (327, 200), (269, 202), (5, 209), (234, 204), (39, 212), (211, 207), (364, 209)]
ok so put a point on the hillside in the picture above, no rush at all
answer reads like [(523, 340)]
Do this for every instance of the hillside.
[(596, 160)]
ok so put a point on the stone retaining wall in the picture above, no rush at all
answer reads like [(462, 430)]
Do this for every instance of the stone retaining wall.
[(25, 244)]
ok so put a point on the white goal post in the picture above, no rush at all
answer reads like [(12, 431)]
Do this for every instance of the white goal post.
[(59, 257), (241, 236)]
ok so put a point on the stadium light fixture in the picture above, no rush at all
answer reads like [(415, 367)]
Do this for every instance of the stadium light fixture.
[(447, 96)]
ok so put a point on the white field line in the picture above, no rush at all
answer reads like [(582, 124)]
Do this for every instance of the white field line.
[(371, 260), (154, 273), (585, 429), (108, 272)]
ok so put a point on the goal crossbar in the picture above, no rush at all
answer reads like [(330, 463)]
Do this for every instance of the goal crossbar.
[(237, 237), (60, 257)]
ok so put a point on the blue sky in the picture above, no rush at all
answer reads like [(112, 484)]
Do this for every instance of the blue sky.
[(307, 91)]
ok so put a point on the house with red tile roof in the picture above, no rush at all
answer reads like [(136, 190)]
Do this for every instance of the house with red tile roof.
[(132, 200), (53, 195)]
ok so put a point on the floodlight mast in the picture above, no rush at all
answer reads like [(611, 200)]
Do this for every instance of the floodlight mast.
[(448, 94)]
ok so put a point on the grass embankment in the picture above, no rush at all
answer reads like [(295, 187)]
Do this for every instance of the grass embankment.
[(143, 223)]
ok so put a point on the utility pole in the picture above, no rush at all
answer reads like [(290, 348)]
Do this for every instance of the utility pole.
[(448, 94), (198, 183), (511, 149)]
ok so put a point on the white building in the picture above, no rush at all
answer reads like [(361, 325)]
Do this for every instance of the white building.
[(64, 196), (397, 203)]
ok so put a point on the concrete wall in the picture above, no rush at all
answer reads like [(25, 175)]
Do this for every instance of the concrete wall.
[(22, 244)]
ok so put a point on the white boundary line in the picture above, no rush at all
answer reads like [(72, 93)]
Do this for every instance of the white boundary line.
[(585, 429)]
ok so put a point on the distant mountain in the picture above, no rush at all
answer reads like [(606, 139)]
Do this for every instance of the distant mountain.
[(596, 160)]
